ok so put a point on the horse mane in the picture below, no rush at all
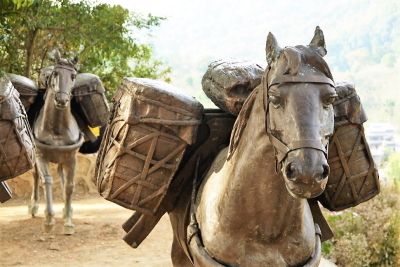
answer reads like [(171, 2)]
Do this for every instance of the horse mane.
[(241, 121)]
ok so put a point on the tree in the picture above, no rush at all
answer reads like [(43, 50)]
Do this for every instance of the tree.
[(106, 38)]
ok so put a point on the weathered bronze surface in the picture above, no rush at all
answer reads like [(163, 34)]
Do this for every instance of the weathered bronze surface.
[(89, 100), (354, 177), (151, 126), (252, 200), (57, 138), (229, 82), (213, 135), (25, 87), (244, 209), (5, 192), (17, 153)]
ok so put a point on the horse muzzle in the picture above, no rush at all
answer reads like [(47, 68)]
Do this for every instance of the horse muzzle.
[(61, 100), (305, 172)]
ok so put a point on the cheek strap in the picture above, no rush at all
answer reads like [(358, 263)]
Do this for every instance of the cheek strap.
[(282, 149)]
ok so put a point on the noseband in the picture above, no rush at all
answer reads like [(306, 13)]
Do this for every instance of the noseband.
[(282, 149)]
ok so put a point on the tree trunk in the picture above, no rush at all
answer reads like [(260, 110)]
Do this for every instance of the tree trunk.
[(30, 46)]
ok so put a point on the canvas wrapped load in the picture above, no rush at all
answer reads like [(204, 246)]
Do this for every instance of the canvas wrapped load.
[(17, 153), (228, 82), (26, 88), (89, 100), (353, 178), (151, 125)]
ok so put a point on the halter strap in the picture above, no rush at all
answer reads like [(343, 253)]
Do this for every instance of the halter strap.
[(67, 67), (301, 79), (282, 149)]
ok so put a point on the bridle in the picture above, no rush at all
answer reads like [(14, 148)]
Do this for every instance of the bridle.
[(281, 149), (57, 93)]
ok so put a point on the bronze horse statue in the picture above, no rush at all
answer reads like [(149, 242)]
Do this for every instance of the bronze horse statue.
[(58, 138), (251, 207)]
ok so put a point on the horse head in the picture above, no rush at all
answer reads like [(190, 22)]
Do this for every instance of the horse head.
[(62, 80), (298, 96)]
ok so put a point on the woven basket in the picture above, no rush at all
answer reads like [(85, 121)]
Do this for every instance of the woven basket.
[(26, 88), (144, 143), (17, 153), (353, 178), (89, 100)]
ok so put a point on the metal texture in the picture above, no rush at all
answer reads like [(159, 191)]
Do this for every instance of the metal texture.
[(25, 87), (151, 126), (58, 139), (5, 192), (17, 153), (89, 101), (228, 82), (213, 135), (248, 214), (354, 177)]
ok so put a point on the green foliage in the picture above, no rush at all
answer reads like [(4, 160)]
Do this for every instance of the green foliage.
[(23, 3), (393, 167), (106, 38), (369, 234)]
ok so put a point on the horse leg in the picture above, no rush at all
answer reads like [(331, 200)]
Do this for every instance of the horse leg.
[(68, 191), (42, 165), (62, 178), (178, 256), (34, 206)]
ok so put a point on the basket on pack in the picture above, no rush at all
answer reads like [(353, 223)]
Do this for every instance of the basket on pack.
[(353, 178), (25, 87), (89, 100), (151, 125), (17, 154)]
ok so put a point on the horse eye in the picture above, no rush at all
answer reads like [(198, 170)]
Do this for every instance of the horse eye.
[(275, 100), (330, 100), (73, 76)]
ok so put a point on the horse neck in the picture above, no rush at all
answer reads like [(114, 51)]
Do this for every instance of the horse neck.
[(253, 183), (56, 125)]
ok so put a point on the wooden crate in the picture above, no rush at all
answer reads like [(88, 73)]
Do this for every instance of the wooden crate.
[(151, 125)]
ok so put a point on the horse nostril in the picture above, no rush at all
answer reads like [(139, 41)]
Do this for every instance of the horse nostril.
[(291, 172), (325, 173)]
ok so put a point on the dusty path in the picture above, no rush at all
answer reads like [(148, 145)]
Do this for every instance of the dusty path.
[(97, 241)]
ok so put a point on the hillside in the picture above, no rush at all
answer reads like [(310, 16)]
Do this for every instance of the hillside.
[(362, 38)]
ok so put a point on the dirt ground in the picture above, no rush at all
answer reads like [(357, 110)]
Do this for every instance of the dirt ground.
[(97, 241)]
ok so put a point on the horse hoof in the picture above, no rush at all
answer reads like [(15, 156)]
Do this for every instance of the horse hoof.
[(33, 209), (68, 230), (48, 227)]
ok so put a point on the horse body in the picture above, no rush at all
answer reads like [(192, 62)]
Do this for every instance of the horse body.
[(246, 215), (58, 138), (251, 208)]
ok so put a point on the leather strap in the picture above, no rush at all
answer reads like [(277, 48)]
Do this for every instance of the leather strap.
[(301, 79), (282, 149)]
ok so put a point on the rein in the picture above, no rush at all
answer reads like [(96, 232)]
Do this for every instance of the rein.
[(282, 149)]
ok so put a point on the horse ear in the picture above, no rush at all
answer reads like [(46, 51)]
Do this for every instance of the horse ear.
[(318, 41), (57, 55), (272, 49), (75, 59)]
